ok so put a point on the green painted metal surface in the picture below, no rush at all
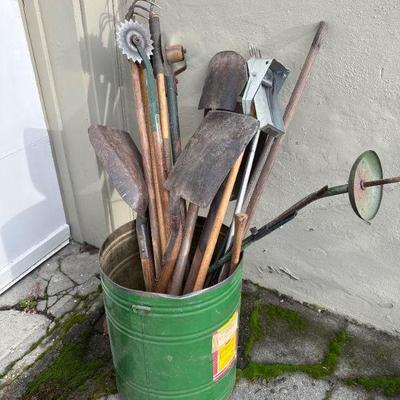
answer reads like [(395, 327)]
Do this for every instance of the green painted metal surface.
[(163, 345)]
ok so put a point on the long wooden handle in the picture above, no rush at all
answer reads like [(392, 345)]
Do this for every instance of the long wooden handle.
[(240, 227), (147, 167), (183, 258), (219, 219), (169, 260), (203, 241), (146, 256), (290, 111)]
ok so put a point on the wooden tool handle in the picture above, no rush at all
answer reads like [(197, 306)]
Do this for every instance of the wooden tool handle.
[(147, 167), (205, 263), (183, 258), (290, 111), (146, 256), (159, 203), (203, 241), (240, 227)]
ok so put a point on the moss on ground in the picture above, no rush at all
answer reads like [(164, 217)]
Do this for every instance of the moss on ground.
[(390, 385), (274, 313), (255, 330), (318, 371), (70, 371)]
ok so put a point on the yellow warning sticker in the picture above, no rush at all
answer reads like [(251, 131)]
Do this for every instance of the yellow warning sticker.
[(224, 347)]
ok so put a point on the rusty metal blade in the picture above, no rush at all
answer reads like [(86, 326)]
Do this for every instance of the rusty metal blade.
[(226, 78), (209, 156), (123, 163)]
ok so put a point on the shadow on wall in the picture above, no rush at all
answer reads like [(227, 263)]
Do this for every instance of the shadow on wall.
[(31, 184), (109, 89)]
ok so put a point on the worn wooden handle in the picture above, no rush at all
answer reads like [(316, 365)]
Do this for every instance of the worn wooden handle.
[(147, 167), (290, 111), (183, 258), (146, 256), (240, 227), (219, 219)]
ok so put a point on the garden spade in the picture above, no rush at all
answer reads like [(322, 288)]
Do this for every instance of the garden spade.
[(202, 167), (226, 77), (225, 80), (123, 163)]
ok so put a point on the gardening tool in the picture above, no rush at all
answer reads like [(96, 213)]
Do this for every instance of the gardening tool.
[(173, 55), (122, 161), (364, 188), (287, 118), (203, 165), (135, 44), (226, 78), (240, 226), (266, 78), (225, 81), (128, 33), (157, 141), (158, 67)]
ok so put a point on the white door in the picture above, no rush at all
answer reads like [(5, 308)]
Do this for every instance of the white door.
[(32, 219)]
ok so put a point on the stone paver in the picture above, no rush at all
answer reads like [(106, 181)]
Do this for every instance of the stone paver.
[(90, 286), (369, 353), (290, 387), (31, 285), (80, 267), (65, 304), (341, 392), (59, 282), (19, 331), (283, 343)]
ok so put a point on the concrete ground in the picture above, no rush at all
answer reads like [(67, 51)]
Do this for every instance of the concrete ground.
[(54, 345)]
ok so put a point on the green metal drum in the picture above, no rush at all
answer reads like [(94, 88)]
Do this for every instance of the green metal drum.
[(166, 347)]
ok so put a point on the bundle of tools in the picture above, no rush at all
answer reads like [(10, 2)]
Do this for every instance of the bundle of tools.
[(229, 157)]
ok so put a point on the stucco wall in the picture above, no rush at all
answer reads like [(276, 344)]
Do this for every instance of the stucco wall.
[(327, 256)]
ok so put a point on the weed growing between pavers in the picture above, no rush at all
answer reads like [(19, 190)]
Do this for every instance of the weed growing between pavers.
[(28, 304), (390, 385)]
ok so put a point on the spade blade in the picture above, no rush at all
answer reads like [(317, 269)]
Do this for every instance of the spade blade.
[(123, 163), (226, 78), (209, 156)]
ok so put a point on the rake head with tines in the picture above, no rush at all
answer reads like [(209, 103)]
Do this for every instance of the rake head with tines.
[(136, 9)]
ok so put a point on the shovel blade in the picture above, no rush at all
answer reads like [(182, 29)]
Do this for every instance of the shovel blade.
[(123, 163), (226, 78), (209, 156)]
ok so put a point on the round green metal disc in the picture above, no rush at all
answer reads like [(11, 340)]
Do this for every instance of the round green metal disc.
[(366, 201)]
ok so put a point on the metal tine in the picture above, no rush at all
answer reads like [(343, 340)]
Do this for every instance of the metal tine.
[(132, 9)]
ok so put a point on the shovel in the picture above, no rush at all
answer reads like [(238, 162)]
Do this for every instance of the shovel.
[(201, 169), (122, 160), (226, 78)]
